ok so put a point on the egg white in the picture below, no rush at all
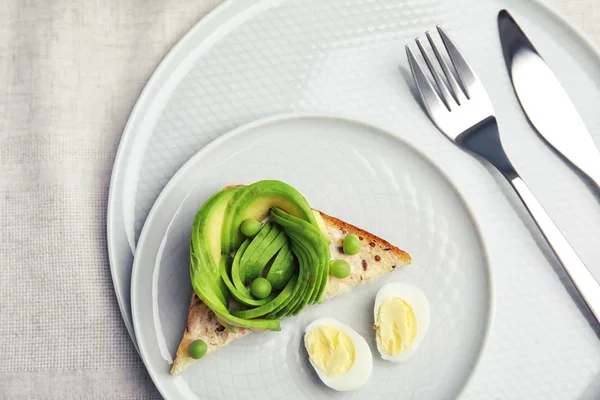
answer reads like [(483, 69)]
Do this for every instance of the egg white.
[(360, 371), (417, 300)]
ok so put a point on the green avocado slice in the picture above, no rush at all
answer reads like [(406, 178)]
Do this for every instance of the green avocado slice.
[(313, 288), (321, 256), (264, 237), (299, 288), (303, 297), (223, 314), (270, 306), (205, 259), (240, 297), (301, 291), (235, 269), (256, 257), (255, 201), (267, 254), (282, 269), (282, 310), (311, 250), (205, 254), (304, 256)]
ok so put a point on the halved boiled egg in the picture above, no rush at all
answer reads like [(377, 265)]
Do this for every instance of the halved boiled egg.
[(339, 355), (401, 320)]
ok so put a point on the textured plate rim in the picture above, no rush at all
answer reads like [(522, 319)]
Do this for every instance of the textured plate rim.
[(279, 118)]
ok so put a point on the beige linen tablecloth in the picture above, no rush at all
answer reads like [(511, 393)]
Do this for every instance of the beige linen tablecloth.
[(70, 73)]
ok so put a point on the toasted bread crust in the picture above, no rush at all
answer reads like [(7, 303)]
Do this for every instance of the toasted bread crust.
[(376, 257), (202, 324), (366, 236)]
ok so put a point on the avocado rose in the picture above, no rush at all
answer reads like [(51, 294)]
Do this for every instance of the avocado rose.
[(289, 249)]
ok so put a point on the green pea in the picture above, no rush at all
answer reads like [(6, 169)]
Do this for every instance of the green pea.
[(260, 288), (339, 268), (197, 349), (351, 245), (250, 227)]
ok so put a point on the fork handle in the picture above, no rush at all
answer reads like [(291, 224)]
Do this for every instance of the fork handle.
[(484, 141), (580, 275)]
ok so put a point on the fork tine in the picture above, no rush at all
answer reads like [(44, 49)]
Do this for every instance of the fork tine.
[(430, 98), (456, 90), (445, 93), (466, 75)]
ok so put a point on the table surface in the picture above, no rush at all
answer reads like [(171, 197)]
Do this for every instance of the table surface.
[(72, 72)]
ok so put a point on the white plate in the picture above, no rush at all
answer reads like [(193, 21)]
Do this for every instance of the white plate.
[(255, 58), (362, 175)]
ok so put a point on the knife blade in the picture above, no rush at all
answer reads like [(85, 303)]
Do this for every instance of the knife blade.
[(545, 102)]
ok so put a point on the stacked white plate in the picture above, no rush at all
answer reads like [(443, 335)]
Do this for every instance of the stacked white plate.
[(358, 145)]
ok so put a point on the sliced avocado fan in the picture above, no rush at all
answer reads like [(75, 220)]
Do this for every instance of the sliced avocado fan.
[(290, 250)]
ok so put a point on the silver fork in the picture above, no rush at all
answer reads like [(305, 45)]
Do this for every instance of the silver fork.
[(460, 107)]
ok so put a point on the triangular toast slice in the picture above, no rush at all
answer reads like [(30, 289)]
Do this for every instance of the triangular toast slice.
[(376, 257)]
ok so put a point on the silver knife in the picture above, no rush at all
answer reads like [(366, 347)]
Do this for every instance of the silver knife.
[(545, 101)]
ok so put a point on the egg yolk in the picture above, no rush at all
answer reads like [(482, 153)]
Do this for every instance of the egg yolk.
[(330, 349), (396, 326)]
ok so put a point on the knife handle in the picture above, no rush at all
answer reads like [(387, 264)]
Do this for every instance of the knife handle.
[(580, 275)]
